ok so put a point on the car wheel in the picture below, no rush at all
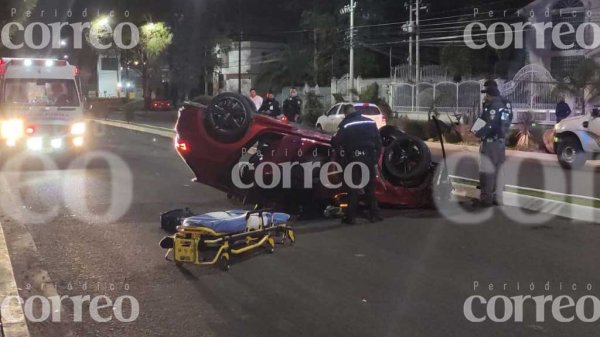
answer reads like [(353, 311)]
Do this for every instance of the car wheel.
[(570, 153), (228, 117), (389, 133), (319, 127), (407, 158)]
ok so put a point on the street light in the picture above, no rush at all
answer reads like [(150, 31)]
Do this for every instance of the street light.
[(63, 43)]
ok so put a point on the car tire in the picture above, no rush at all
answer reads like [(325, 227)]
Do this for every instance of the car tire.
[(319, 127), (407, 159), (228, 117), (570, 153)]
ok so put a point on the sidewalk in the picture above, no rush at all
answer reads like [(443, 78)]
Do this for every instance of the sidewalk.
[(547, 157), (509, 153)]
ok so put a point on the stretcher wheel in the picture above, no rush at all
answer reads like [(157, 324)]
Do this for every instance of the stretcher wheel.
[(270, 246), (224, 263)]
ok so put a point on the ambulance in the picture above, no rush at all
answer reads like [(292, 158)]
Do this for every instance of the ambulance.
[(41, 109)]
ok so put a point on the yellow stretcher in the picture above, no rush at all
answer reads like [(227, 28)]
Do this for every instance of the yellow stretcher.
[(212, 238)]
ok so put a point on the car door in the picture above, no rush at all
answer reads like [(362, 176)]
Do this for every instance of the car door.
[(339, 116), (331, 118)]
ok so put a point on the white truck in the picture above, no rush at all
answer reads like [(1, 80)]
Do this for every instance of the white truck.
[(577, 139), (40, 106)]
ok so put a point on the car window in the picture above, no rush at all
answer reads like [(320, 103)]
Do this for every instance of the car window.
[(332, 110), (41, 92), (367, 110), (341, 112)]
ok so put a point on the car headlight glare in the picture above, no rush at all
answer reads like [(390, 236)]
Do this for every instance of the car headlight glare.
[(78, 128), (12, 129)]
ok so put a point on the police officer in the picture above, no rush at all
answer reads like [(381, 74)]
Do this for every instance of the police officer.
[(270, 106), (358, 141), (492, 147), (507, 116), (292, 107)]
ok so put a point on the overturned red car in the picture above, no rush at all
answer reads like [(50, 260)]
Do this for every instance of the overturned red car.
[(224, 140)]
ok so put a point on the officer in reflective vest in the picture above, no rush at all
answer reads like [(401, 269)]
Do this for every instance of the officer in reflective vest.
[(507, 116), (359, 142), (493, 147)]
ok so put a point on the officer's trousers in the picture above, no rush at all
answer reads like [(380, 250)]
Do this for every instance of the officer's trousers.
[(493, 155), (369, 192)]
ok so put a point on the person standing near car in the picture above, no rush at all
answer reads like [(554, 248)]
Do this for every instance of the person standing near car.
[(493, 147), (292, 107), (257, 100), (358, 141), (507, 115), (563, 110), (270, 106)]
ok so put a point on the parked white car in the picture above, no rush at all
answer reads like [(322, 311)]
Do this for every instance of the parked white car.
[(577, 139), (331, 119)]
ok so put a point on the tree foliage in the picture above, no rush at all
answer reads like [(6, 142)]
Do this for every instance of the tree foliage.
[(584, 83)]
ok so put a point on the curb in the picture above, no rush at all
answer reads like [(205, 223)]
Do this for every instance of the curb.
[(8, 287), (535, 204), (548, 157)]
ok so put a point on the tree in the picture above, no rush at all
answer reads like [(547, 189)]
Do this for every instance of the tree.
[(584, 83), (154, 39), (291, 68), (22, 8)]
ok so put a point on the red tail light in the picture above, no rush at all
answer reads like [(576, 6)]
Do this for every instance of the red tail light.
[(77, 70), (181, 145)]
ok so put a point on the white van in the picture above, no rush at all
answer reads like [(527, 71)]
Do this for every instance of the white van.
[(40, 105)]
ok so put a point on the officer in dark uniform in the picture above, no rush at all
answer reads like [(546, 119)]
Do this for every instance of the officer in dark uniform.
[(358, 140), (270, 106), (493, 146), (507, 116), (292, 107)]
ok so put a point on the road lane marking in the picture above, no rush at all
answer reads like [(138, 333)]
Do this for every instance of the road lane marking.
[(159, 131), (8, 287)]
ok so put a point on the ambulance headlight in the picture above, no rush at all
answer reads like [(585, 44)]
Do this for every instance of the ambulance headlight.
[(78, 128), (12, 129)]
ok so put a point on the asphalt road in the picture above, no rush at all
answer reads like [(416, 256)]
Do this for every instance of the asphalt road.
[(407, 276)]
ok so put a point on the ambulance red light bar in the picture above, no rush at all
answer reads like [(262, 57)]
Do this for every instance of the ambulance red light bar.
[(36, 62)]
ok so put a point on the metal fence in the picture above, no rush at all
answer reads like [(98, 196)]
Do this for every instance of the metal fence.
[(446, 97), (531, 89)]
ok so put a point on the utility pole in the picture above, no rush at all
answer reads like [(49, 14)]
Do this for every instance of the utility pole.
[(410, 38), (350, 9), (418, 8), (240, 62), (417, 54), (241, 38), (352, 5)]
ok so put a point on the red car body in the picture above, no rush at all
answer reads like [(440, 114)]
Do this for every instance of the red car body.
[(212, 161)]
